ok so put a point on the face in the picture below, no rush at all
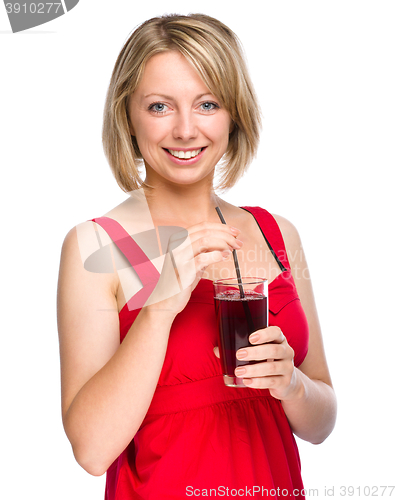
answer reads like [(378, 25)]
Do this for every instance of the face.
[(180, 127)]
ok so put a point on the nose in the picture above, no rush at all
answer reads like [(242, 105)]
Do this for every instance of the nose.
[(185, 126)]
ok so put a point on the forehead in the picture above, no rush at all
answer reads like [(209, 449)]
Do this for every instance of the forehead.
[(170, 72)]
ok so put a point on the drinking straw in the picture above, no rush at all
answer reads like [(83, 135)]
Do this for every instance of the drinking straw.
[(238, 272), (234, 254)]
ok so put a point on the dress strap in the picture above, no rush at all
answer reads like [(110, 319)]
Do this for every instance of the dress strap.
[(272, 235), (145, 269)]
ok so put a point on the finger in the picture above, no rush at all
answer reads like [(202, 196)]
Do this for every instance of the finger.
[(189, 257), (199, 244), (269, 334), (207, 242), (216, 226), (208, 229), (203, 260), (269, 369), (263, 352), (262, 382), (183, 241)]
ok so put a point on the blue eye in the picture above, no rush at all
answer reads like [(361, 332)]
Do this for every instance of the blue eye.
[(209, 106), (158, 107)]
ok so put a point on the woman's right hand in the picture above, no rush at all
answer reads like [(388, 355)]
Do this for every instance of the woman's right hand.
[(189, 253)]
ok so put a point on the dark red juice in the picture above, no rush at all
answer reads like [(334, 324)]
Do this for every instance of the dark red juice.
[(233, 326)]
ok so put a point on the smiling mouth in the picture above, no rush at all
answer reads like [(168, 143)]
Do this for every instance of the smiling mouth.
[(185, 155)]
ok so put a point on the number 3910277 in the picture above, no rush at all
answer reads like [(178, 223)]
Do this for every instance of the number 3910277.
[(366, 491), (33, 8)]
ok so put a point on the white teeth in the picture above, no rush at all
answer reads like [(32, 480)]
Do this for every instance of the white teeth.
[(184, 154)]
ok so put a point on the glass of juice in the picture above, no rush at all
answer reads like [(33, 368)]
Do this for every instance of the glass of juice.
[(241, 308)]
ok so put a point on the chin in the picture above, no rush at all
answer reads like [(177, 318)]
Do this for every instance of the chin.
[(188, 181), (188, 178)]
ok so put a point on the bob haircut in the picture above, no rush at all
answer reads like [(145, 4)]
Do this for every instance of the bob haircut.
[(216, 54)]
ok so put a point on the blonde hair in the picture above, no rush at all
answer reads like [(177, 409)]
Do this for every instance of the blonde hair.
[(216, 54)]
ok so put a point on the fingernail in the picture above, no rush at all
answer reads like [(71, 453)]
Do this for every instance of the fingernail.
[(234, 230), (254, 338), (226, 254), (241, 354), (239, 242), (240, 371)]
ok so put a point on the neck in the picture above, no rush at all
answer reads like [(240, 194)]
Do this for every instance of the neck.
[(183, 205)]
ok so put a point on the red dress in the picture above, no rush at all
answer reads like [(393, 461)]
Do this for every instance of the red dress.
[(199, 437)]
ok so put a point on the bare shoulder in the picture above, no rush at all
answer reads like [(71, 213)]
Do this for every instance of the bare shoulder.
[(80, 233), (289, 232), (88, 245), (86, 263), (70, 253)]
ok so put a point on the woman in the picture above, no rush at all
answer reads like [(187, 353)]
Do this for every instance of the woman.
[(153, 411)]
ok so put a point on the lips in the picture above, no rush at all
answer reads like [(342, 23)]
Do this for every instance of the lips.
[(185, 156)]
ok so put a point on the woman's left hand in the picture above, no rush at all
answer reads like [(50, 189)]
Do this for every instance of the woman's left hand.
[(277, 371)]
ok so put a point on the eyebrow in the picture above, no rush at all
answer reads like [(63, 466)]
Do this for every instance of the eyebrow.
[(165, 96)]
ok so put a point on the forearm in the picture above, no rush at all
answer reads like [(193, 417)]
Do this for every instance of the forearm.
[(312, 410), (108, 410)]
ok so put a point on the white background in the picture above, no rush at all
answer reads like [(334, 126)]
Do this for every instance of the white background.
[(326, 78)]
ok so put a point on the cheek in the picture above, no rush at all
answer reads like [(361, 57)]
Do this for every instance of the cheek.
[(222, 134), (147, 135), (154, 130), (221, 129)]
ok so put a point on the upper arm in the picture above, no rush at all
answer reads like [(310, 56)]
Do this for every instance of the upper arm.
[(314, 364), (88, 322)]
